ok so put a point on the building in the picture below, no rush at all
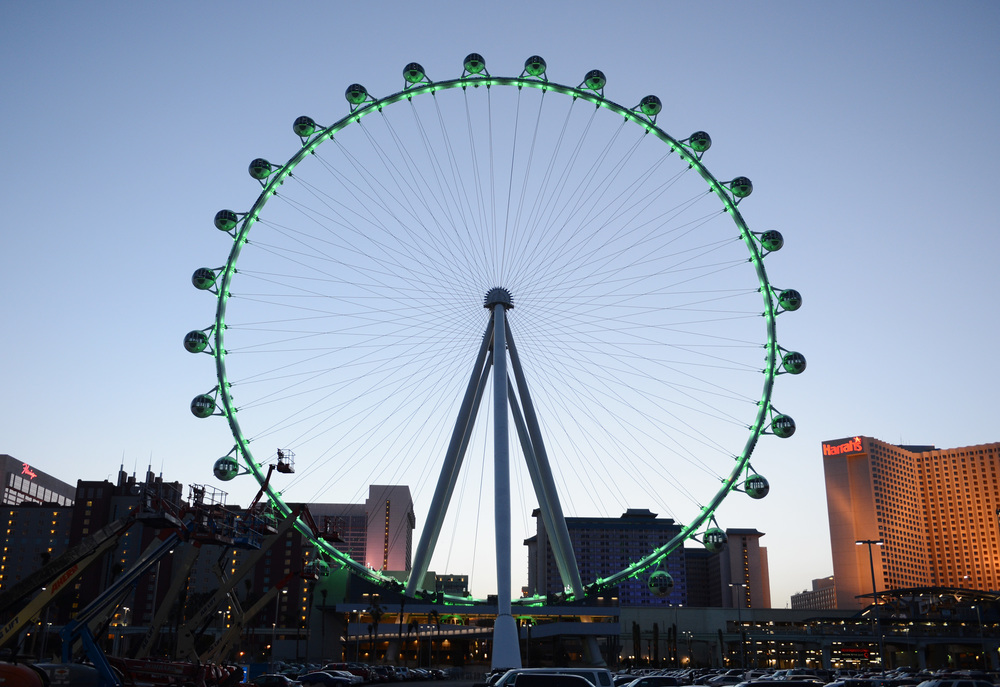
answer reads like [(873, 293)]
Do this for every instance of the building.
[(37, 533), (23, 483), (911, 516), (100, 503), (704, 574), (602, 547), (735, 577), (33, 536), (823, 596), (379, 532), (46, 518), (454, 585), (743, 571)]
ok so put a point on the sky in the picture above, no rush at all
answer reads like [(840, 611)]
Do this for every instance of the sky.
[(868, 129)]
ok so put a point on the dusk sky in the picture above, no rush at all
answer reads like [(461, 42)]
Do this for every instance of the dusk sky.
[(869, 131)]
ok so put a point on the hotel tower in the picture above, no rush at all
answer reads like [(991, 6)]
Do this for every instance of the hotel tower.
[(927, 517)]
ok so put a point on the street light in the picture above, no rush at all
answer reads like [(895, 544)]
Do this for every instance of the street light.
[(982, 642), (526, 623), (357, 637), (274, 625), (878, 626), (45, 630), (739, 617)]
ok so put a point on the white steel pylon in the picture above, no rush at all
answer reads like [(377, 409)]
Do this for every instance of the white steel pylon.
[(498, 338)]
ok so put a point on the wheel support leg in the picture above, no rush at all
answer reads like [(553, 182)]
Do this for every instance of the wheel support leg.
[(506, 644), (449, 471), (548, 497)]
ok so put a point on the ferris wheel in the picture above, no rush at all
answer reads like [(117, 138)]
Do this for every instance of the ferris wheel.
[(486, 270)]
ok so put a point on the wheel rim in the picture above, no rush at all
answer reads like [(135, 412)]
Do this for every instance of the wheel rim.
[(642, 270)]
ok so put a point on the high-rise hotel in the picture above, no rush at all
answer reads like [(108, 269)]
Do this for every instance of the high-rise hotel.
[(927, 517)]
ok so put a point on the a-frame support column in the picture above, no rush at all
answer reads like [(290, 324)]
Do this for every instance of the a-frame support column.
[(506, 642), (497, 343), (452, 462)]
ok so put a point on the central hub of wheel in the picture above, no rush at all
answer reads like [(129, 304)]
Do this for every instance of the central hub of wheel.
[(498, 296)]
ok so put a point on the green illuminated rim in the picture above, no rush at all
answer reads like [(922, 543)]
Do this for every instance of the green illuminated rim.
[(740, 467)]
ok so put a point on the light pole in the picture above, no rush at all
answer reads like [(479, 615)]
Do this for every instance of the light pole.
[(739, 619), (45, 630), (982, 642), (274, 625), (322, 620), (357, 637), (878, 626), (527, 623)]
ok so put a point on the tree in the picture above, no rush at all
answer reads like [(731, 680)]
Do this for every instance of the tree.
[(435, 617), (656, 645), (399, 635), (672, 645), (636, 642), (411, 627), (375, 611)]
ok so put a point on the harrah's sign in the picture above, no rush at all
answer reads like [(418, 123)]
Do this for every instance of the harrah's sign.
[(849, 446)]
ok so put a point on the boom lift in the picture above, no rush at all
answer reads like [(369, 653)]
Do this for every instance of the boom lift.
[(212, 525), (57, 576), (201, 524), (78, 629), (194, 627), (177, 585), (221, 649)]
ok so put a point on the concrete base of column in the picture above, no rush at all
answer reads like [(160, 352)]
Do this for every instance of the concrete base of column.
[(506, 645)]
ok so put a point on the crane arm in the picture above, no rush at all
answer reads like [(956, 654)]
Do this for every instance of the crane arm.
[(189, 631), (177, 586), (219, 650), (82, 556)]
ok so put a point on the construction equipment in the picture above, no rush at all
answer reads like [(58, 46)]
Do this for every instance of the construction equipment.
[(195, 626), (78, 629), (177, 585), (221, 649), (211, 524), (57, 576)]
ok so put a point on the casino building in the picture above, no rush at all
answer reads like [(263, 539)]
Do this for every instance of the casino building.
[(22, 483), (930, 514), (736, 577)]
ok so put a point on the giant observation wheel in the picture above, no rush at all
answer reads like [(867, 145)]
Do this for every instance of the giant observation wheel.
[(616, 270)]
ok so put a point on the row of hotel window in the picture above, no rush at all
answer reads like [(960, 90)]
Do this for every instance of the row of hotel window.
[(20, 490)]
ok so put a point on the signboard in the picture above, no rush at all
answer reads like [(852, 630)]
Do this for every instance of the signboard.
[(841, 448)]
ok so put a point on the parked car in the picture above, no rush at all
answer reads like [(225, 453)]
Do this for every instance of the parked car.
[(955, 682), (347, 675), (322, 679), (599, 677), (274, 680), (655, 681), (552, 680), (361, 669)]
